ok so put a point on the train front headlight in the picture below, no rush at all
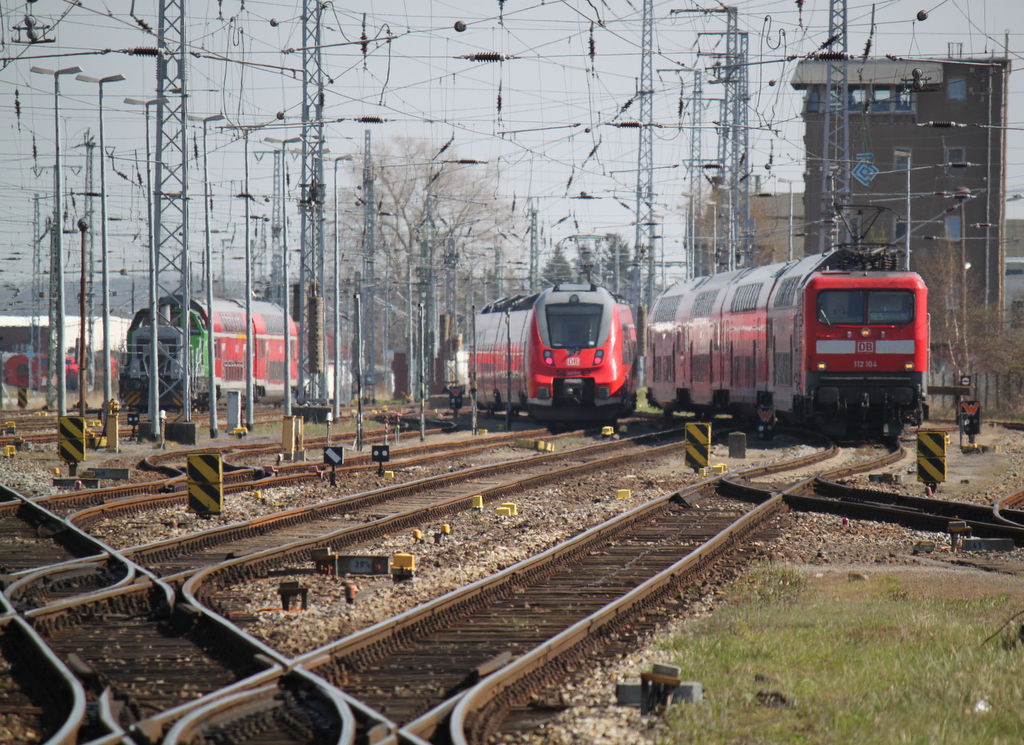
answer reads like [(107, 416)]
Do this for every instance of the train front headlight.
[(822, 366), (865, 332), (598, 356), (549, 357), (908, 366)]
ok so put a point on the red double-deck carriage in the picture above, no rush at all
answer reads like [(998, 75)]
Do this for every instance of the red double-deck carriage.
[(826, 340)]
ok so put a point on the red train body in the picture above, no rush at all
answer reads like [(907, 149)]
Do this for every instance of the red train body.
[(571, 351), (30, 371), (820, 341)]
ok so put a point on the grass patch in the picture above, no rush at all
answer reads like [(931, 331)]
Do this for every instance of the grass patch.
[(883, 661)]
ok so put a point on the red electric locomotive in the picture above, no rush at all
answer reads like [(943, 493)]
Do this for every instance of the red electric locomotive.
[(571, 351), (828, 341)]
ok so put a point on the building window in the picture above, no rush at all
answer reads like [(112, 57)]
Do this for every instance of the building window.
[(958, 156), (953, 228), (956, 89), (881, 99), (813, 99), (904, 101)]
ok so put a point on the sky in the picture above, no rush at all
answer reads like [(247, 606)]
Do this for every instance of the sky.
[(543, 116)]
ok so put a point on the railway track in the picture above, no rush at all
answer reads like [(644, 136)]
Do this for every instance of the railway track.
[(588, 596)]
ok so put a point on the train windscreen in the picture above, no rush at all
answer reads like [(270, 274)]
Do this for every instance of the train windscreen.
[(574, 326), (852, 307)]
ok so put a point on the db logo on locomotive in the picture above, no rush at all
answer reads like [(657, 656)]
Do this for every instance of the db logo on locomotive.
[(866, 346)]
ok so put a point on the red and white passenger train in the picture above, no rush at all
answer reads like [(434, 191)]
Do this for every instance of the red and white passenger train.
[(821, 341), (571, 351)]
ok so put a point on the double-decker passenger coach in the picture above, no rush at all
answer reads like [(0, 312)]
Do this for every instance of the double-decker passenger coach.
[(837, 340)]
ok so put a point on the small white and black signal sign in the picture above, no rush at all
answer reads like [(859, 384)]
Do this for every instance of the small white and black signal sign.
[(334, 456), (380, 454)]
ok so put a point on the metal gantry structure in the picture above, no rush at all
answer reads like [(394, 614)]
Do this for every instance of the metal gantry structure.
[(312, 370), (835, 156), (170, 203)]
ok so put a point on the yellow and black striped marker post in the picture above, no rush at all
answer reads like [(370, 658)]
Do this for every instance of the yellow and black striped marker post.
[(205, 483), (698, 445), (931, 457), (23, 398), (71, 440)]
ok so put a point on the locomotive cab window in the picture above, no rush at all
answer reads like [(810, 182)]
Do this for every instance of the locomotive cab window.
[(882, 306), (890, 306), (840, 306), (574, 326)]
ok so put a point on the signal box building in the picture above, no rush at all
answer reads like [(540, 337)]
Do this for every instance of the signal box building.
[(942, 123)]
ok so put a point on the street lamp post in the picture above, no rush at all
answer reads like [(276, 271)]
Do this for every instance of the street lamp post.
[(57, 323), (154, 344), (83, 368), (108, 388), (284, 269), (211, 349)]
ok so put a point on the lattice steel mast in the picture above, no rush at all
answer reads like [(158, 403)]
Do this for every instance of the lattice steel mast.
[(312, 370), (170, 205), (645, 163), (835, 156)]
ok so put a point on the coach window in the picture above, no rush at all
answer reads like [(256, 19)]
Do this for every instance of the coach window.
[(840, 306), (575, 325), (890, 306)]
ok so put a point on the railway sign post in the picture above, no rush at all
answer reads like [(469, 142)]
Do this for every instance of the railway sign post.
[(931, 457), (380, 454), (698, 445), (334, 457), (71, 441), (205, 483), (23, 398), (970, 419)]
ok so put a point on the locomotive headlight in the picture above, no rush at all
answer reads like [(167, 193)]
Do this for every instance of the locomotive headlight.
[(865, 332), (822, 366), (908, 366)]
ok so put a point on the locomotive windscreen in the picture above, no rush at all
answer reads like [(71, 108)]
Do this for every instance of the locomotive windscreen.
[(848, 306), (575, 325)]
